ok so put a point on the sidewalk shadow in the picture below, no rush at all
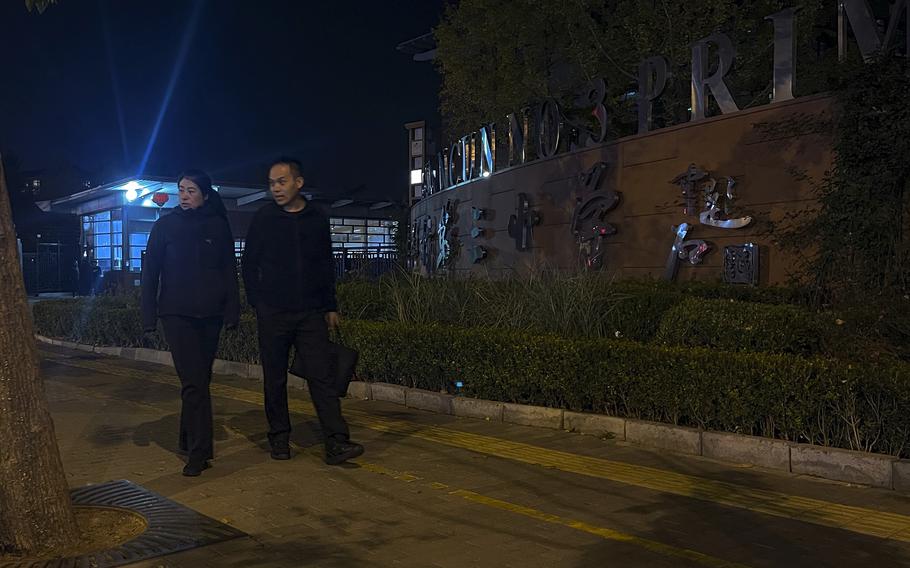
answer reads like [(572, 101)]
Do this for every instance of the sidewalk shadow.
[(253, 426), (165, 432), (298, 553), (703, 524)]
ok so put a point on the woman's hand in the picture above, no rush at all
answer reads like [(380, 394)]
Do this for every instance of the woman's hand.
[(333, 321)]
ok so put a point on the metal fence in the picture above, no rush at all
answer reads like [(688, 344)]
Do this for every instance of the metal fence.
[(360, 263), (51, 269)]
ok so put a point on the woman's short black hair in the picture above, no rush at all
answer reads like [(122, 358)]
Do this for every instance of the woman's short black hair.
[(202, 179)]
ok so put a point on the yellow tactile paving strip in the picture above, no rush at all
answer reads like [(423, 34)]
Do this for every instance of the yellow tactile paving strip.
[(879, 524), (483, 500), (602, 532)]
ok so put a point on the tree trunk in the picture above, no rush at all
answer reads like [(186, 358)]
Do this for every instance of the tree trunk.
[(36, 513)]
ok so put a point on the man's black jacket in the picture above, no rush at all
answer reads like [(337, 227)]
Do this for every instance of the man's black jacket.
[(190, 268), (288, 262)]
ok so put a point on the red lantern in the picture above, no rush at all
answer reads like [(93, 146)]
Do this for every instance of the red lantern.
[(160, 199)]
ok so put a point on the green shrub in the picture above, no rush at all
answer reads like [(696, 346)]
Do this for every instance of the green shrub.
[(594, 306), (359, 299), (878, 329), (859, 333), (755, 294), (241, 344), (822, 401), (584, 305), (742, 326), (578, 305), (795, 398), (97, 321)]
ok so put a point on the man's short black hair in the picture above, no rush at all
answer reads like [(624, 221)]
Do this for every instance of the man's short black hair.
[(294, 164)]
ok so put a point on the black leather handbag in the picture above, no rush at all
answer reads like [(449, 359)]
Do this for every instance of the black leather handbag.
[(342, 361)]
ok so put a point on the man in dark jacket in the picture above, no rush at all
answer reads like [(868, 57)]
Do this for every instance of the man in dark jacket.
[(289, 274)]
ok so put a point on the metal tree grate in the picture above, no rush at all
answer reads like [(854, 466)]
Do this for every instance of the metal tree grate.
[(171, 528)]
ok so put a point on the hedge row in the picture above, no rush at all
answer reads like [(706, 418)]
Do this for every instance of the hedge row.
[(772, 320), (744, 326), (815, 400), (868, 333), (803, 399), (582, 305), (111, 323)]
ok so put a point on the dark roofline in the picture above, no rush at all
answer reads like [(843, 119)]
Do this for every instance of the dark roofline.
[(420, 44), (317, 195)]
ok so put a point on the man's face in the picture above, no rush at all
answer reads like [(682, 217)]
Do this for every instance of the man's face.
[(283, 184)]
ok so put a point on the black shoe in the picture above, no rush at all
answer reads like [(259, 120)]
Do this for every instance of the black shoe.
[(186, 454), (194, 468), (340, 452), (281, 453)]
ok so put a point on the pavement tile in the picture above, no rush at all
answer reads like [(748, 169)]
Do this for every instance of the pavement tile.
[(115, 423)]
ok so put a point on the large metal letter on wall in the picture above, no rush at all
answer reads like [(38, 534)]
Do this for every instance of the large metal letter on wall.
[(452, 165), (714, 84), (486, 158), (516, 139), (859, 15), (467, 157), (549, 123), (597, 92), (652, 80), (784, 54)]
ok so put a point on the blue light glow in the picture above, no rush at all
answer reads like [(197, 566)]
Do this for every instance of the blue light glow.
[(188, 34)]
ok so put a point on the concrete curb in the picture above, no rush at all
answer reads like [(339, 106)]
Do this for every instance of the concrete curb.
[(479, 409), (764, 452), (843, 465), (664, 436), (876, 470), (389, 393), (539, 416), (440, 403), (595, 424), (900, 475), (360, 390)]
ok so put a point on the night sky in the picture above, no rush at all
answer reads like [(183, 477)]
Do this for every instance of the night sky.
[(85, 81)]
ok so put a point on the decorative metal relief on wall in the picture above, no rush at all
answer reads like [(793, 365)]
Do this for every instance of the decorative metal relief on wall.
[(446, 234), (414, 245), (688, 183), (741, 264), (589, 225), (696, 184), (692, 250), (522, 223), (477, 252), (427, 247), (716, 216)]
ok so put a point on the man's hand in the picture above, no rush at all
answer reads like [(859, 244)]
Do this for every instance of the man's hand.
[(332, 319)]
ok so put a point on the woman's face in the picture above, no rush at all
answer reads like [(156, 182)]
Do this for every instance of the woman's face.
[(190, 195)]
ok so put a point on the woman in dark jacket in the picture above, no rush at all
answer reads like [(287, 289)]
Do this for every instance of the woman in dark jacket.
[(189, 280)]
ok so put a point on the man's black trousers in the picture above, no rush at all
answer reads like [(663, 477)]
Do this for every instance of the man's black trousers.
[(308, 333), (193, 343)]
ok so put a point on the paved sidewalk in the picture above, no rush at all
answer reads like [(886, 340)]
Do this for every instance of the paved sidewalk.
[(436, 491)]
